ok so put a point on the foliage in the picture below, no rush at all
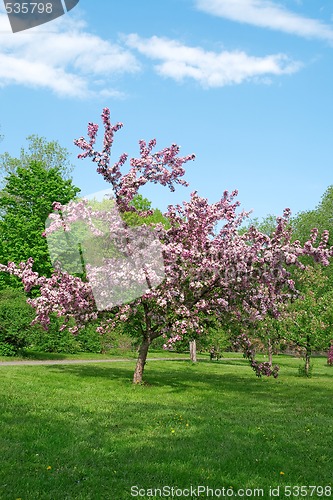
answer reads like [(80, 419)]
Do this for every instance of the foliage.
[(305, 371), (266, 225), (60, 340), (143, 205), (116, 340), (216, 336), (268, 331), (47, 153), (15, 321), (308, 321), (206, 273), (25, 203), (54, 340), (320, 217)]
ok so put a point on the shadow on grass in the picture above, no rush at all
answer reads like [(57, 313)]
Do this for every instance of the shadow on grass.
[(225, 361), (180, 376), (219, 429), (41, 356)]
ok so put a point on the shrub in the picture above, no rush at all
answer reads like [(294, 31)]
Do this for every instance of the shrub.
[(120, 339), (303, 373), (15, 321), (7, 349), (16, 331), (54, 340), (89, 340)]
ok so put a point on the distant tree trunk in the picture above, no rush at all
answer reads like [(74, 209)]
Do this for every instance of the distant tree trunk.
[(307, 356), (270, 352), (193, 351), (141, 361)]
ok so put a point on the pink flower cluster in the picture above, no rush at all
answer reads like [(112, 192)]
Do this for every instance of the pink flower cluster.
[(64, 295), (164, 167)]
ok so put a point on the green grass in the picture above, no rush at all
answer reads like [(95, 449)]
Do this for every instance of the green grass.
[(84, 432), (31, 354)]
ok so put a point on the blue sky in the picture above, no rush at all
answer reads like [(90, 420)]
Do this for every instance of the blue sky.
[(246, 85)]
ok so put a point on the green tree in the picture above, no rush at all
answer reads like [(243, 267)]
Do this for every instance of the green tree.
[(143, 205), (321, 217), (48, 153), (25, 203), (308, 321), (265, 225)]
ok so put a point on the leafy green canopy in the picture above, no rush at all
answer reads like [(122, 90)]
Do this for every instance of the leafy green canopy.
[(143, 204), (49, 153), (25, 203), (321, 217)]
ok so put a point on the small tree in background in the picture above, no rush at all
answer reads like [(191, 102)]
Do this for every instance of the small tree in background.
[(307, 322)]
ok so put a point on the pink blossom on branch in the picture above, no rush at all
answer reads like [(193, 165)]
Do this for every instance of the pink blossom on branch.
[(62, 294), (164, 167)]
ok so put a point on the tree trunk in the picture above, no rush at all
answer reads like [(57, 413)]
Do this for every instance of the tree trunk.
[(193, 351), (307, 364), (307, 357), (270, 352), (141, 361)]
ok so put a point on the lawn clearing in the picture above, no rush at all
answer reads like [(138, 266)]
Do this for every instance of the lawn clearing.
[(85, 432), (31, 354)]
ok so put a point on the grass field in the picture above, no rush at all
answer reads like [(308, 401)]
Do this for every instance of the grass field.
[(85, 432), (29, 354)]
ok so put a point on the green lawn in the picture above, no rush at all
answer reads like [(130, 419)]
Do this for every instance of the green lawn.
[(85, 432), (30, 354)]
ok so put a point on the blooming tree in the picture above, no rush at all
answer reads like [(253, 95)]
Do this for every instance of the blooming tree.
[(206, 272)]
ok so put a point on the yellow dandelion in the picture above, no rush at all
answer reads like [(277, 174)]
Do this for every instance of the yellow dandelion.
[(48, 467), (281, 473), (172, 431)]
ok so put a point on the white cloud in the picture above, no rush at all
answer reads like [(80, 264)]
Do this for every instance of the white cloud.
[(209, 69), (267, 14), (65, 58)]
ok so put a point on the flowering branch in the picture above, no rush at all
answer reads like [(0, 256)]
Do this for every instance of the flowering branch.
[(163, 167)]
